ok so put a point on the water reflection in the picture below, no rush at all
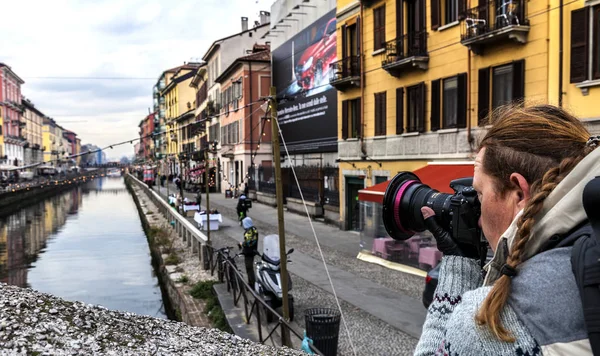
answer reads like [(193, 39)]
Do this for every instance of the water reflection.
[(84, 244)]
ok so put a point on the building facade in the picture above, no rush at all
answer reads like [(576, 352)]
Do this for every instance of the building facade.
[(245, 132), (179, 97), (417, 80), (34, 120), (146, 148), (11, 112), (50, 140), (221, 54)]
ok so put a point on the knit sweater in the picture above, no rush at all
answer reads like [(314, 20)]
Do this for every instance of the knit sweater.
[(544, 310)]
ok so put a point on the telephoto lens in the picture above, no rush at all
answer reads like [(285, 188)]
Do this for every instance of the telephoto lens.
[(402, 202)]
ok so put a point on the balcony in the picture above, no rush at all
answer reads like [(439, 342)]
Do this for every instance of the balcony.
[(345, 74), (406, 53), (496, 21)]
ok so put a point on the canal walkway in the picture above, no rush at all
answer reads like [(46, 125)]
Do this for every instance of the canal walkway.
[(373, 298)]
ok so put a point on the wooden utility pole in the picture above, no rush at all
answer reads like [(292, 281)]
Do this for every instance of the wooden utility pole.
[(285, 333), (207, 195)]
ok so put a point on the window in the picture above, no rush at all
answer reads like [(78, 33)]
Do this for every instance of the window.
[(506, 83), (444, 12), (502, 86), (380, 115), (585, 47), (449, 102), (379, 28), (351, 119), (415, 112)]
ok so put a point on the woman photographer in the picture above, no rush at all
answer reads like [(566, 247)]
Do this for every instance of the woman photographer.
[(530, 172)]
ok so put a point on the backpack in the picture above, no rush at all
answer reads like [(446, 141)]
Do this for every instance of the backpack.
[(585, 261)]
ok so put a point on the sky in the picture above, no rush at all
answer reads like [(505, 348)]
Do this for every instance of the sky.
[(58, 46)]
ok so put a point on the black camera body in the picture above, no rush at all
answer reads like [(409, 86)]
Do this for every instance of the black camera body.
[(457, 213)]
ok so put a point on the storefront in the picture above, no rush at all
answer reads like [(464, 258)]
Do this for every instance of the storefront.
[(419, 253)]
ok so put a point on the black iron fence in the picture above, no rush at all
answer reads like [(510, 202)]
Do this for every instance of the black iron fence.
[(411, 44), (345, 68), (241, 292), (491, 16)]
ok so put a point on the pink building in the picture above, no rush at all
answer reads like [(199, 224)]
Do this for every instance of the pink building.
[(72, 138), (146, 141), (11, 111)]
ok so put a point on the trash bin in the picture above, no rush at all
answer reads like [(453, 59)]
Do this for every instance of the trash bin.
[(323, 326)]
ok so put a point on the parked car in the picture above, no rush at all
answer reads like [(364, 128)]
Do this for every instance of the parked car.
[(315, 60), (431, 282)]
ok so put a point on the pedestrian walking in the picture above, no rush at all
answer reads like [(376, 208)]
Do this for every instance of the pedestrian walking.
[(249, 248), (199, 198), (530, 171)]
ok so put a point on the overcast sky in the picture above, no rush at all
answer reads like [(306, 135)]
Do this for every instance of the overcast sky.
[(109, 38)]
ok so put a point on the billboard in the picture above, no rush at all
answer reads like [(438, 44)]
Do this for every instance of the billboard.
[(308, 115)]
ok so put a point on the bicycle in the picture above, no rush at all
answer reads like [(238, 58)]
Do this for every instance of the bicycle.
[(222, 257)]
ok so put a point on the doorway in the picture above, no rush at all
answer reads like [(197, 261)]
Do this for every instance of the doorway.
[(353, 185)]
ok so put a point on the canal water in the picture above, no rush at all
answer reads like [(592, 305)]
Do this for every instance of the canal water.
[(86, 244)]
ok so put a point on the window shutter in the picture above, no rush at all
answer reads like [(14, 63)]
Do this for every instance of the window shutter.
[(519, 80), (435, 105), (344, 41), (376, 37), (462, 9), (435, 14), (383, 113), (483, 98), (377, 114), (422, 99), (358, 32), (358, 127), (344, 119), (579, 44), (399, 111), (461, 114)]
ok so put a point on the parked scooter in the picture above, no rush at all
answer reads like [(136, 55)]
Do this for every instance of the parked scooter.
[(268, 277)]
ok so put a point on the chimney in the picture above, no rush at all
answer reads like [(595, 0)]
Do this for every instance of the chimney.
[(244, 24), (265, 17)]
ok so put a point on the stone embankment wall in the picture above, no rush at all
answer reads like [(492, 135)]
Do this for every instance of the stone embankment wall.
[(29, 193)]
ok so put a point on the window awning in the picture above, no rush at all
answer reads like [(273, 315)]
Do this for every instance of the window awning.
[(436, 175)]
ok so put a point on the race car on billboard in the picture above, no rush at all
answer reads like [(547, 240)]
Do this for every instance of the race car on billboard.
[(313, 65)]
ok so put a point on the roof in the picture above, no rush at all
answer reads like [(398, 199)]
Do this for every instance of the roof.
[(29, 105), (3, 65), (177, 80), (218, 42), (190, 66), (436, 175), (264, 56)]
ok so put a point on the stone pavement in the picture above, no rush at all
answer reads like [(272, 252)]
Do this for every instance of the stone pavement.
[(401, 311)]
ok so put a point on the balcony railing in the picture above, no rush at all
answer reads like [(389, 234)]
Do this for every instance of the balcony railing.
[(494, 21), (345, 73), (406, 52)]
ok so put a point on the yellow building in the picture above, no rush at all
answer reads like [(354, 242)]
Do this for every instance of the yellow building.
[(178, 98), (50, 140), (417, 78)]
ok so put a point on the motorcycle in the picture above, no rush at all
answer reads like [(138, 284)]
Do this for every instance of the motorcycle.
[(268, 277)]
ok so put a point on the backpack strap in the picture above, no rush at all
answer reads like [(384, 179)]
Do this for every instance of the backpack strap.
[(585, 261)]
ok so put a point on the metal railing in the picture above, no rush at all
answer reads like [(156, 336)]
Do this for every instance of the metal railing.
[(345, 68), (491, 16), (411, 44), (241, 291), (188, 232)]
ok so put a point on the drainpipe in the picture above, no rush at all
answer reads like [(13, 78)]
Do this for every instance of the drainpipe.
[(560, 53), (251, 114), (363, 149)]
